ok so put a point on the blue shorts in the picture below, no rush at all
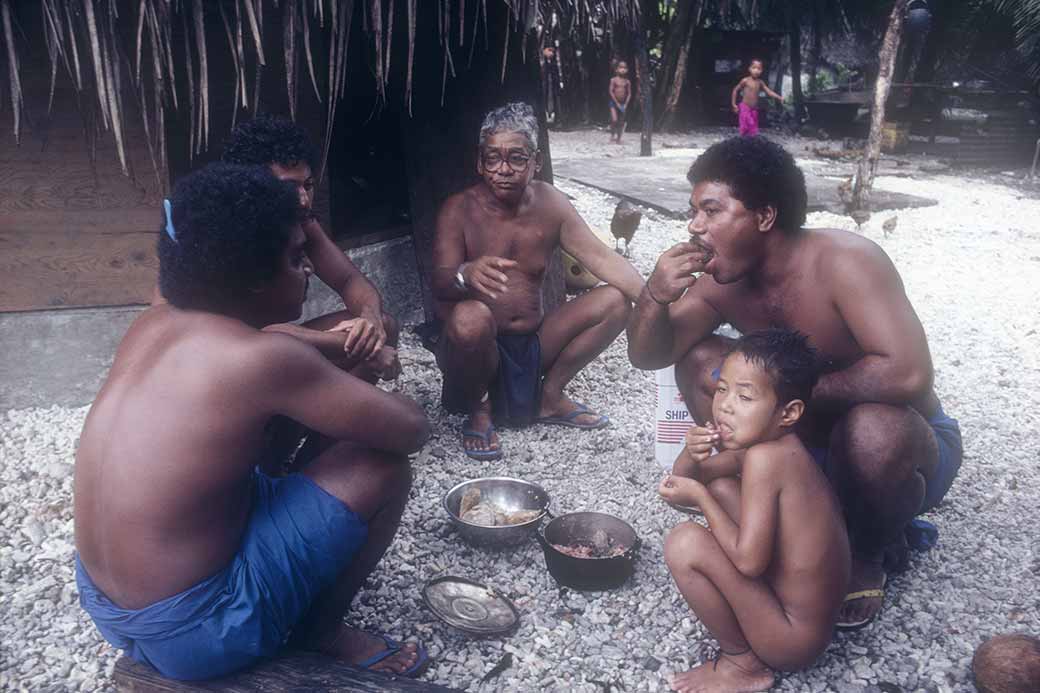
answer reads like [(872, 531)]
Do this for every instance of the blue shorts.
[(299, 539), (516, 391), (951, 453)]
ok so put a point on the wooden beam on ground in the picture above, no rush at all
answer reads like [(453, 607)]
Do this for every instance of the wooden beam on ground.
[(295, 672)]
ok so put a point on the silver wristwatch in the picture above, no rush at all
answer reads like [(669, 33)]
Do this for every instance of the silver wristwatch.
[(460, 281)]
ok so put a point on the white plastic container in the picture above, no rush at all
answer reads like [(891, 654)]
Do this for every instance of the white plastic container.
[(672, 419)]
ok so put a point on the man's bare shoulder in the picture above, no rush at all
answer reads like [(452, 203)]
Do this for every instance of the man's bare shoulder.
[(216, 344), (547, 194), (836, 252)]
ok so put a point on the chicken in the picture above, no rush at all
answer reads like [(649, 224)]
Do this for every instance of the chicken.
[(624, 224), (860, 216), (889, 225)]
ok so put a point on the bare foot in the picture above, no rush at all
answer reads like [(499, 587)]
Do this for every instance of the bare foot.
[(743, 673), (563, 407), (480, 421), (866, 575), (355, 646)]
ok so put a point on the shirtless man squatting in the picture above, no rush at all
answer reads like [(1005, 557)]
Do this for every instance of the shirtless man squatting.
[(768, 577), (362, 338), (188, 557), (498, 352), (874, 422)]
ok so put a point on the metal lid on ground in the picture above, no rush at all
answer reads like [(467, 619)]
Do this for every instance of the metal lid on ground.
[(470, 606)]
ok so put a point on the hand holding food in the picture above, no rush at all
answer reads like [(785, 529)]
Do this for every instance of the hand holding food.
[(700, 440), (679, 490), (673, 274)]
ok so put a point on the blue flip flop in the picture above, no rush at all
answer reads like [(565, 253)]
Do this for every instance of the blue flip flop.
[(495, 454), (568, 420), (422, 658)]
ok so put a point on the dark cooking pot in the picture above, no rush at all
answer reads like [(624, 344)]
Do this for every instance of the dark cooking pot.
[(589, 529)]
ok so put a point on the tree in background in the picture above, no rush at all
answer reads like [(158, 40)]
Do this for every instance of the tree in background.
[(863, 182)]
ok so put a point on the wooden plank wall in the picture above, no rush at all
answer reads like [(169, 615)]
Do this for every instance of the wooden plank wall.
[(72, 233)]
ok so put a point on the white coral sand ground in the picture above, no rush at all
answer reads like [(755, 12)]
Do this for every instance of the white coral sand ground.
[(971, 266)]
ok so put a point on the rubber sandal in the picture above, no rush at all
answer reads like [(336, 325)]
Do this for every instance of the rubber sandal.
[(568, 420), (422, 658), (494, 454), (873, 593)]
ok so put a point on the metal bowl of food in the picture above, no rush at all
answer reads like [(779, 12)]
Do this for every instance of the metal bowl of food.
[(496, 511)]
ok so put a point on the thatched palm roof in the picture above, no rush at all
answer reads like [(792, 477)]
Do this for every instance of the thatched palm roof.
[(114, 50)]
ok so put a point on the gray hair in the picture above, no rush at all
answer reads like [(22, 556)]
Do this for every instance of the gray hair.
[(515, 117)]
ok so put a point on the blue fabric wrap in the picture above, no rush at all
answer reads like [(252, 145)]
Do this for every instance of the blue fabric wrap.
[(920, 534), (951, 454), (516, 391), (299, 539)]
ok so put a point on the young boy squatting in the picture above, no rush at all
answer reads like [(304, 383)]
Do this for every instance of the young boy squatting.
[(769, 576)]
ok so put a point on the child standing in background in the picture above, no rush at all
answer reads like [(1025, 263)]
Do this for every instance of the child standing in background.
[(749, 88), (620, 95)]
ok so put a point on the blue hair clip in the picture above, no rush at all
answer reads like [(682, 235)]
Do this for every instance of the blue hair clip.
[(169, 220)]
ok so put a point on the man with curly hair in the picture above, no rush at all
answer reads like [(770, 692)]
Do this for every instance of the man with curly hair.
[(873, 421), (362, 338), (501, 356), (188, 557)]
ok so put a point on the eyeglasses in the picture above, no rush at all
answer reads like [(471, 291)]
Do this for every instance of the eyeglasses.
[(493, 160)]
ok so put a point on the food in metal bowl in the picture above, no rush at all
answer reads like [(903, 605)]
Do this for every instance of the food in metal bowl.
[(474, 509)]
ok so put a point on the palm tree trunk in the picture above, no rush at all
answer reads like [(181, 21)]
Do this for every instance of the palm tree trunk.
[(687, 26), (646, 97), (794, 27), (817, 45), (864, 179)]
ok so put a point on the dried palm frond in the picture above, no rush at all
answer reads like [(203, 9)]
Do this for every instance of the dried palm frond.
[(200, 47), (411, 54), (13, 67), (135, 60)]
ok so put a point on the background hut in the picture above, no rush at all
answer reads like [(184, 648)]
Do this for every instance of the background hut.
[(111, 100), (104, 103)]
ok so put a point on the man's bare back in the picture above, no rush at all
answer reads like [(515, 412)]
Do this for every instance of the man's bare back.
[(168, 502), (152, 452)]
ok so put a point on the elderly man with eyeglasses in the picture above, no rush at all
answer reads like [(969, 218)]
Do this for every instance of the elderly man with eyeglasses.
[(503, 359)]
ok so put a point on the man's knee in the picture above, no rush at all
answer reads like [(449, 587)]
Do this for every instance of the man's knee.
[(363, 478), (470, 325), (616, 307), (696, 370), (877, 443)]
